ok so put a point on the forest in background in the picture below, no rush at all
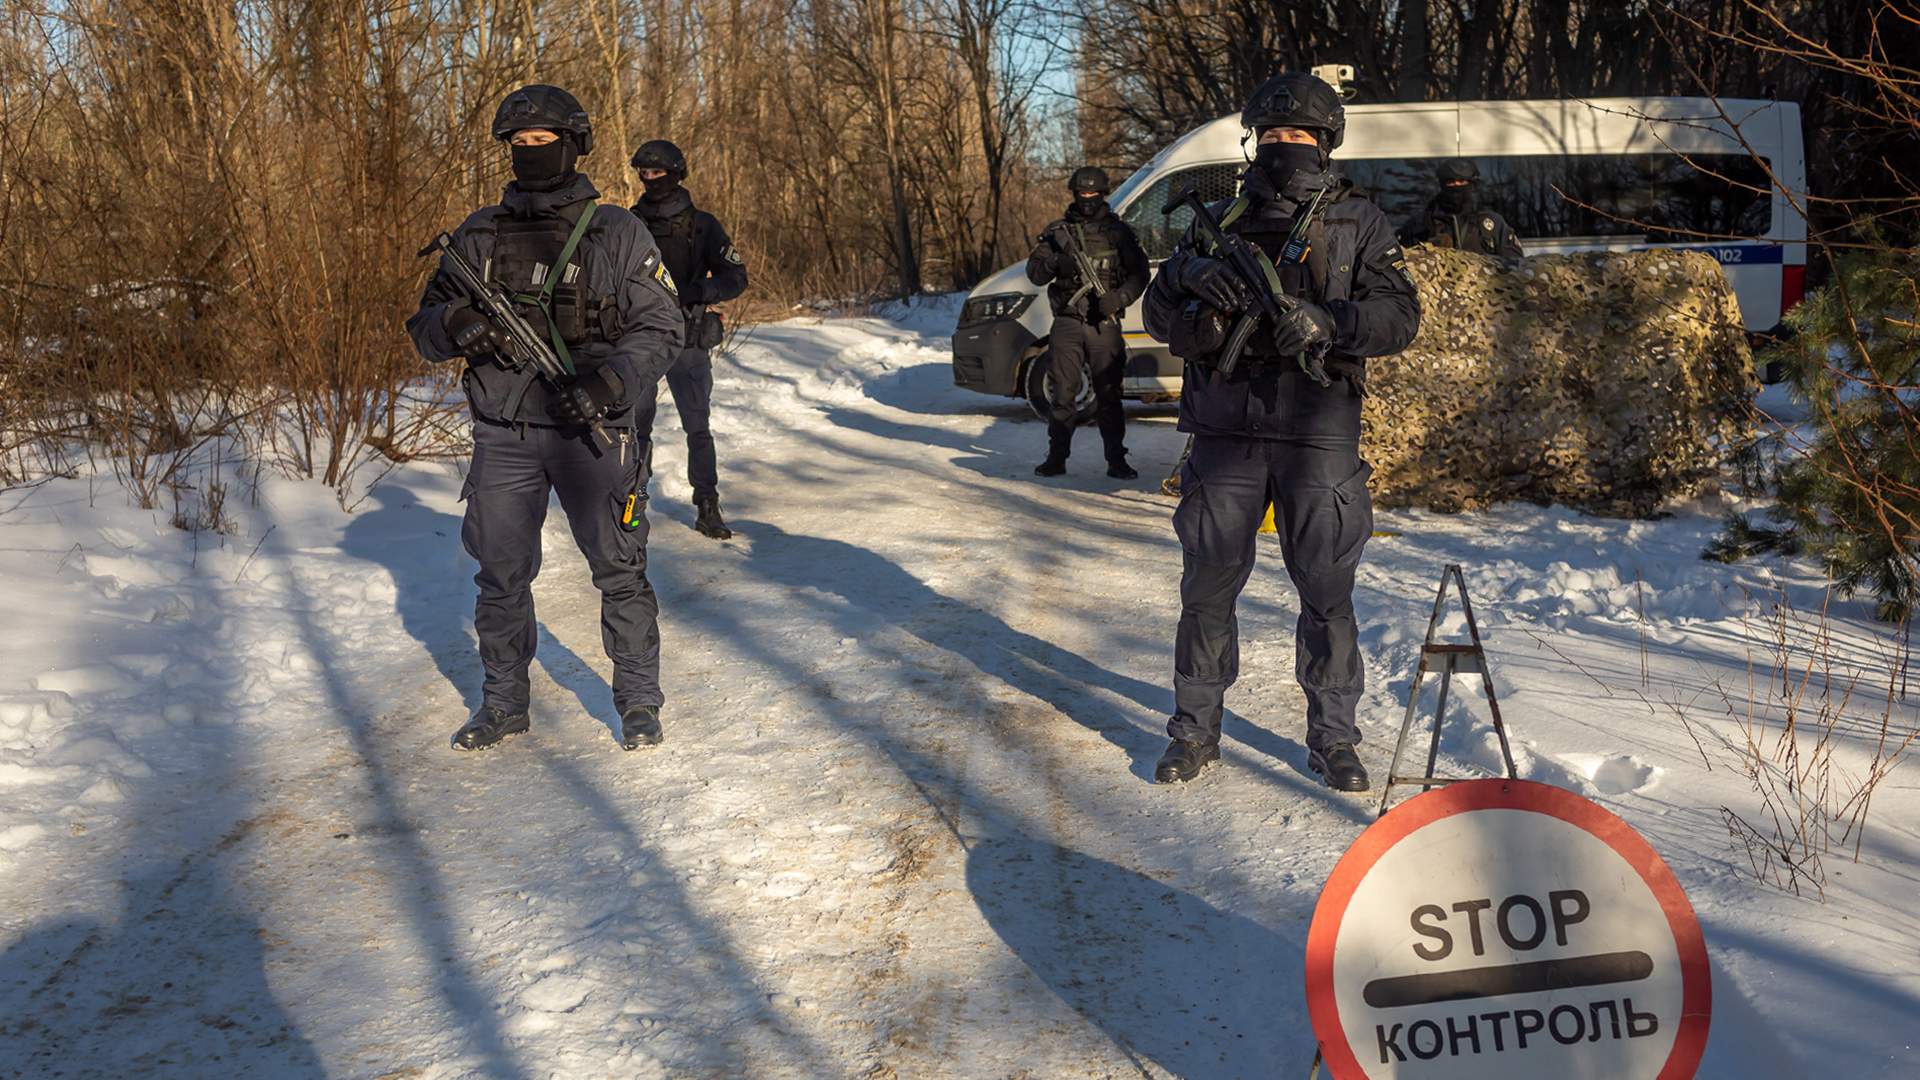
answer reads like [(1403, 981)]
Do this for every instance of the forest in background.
[(210, 211)]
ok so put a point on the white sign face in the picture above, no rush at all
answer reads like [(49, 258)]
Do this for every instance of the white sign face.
[(1506, 928)]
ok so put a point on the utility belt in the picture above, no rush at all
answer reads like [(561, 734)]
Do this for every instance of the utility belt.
[(1352, 372)]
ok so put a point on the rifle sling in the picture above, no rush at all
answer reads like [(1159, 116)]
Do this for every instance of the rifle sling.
[(544, 298)]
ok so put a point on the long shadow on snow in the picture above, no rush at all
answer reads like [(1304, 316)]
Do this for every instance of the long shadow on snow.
[(1010, 447), (1040, 669), (177, 984), (436, 611), (711, 963), (1050, 525), (1163, 973), (1037, 668), (419, 883), (1201, 991), (430, 613)]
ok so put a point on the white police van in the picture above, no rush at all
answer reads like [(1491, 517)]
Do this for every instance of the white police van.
[(1605, 174)]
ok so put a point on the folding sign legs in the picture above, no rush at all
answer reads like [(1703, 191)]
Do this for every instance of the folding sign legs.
[(1445, 659)]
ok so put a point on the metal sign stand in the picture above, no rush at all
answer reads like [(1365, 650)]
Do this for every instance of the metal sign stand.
[(1446, 658)]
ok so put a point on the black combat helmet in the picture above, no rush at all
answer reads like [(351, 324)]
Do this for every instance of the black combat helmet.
[(1089, 178), (1296, 99), (663, 155), (548, 107), (1458, 169)]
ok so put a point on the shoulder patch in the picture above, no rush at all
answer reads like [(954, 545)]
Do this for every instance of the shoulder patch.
[(661, 275), (1400, 267), (731, 254)]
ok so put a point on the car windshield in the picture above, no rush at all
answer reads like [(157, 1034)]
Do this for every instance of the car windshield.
[(1159, 231)]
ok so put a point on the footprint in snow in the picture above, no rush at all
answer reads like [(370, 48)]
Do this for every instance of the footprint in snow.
[(1619, 774), (556, 993)]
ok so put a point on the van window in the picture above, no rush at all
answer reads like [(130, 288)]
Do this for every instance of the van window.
[(1660, 197), (1159, 232)]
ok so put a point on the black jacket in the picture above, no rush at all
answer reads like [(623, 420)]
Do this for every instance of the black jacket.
[(1115, 253), (642, 317), (1367, 289), (1481, 231), (704, 263)]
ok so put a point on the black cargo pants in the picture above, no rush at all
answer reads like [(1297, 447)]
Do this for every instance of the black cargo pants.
[(1103, 351), (691, 380), (605, 499), (1325, 517)]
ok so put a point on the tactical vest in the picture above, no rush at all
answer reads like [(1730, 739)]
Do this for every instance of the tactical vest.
[(555, 302), (1473, 230), (1101, 251), (1306, 278), (675, 238)]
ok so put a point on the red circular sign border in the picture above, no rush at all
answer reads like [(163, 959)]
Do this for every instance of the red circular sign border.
[(1696, 981)]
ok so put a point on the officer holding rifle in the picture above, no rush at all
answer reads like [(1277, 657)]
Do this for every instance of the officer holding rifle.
[(566, 317), (1094, 268), (1273, 299)]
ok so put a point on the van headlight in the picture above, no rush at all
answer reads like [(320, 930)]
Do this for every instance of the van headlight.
[(996, 306)]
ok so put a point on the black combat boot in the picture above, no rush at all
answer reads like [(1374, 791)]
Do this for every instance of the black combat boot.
[(1183, 761), (640, 727), (488, 727), (1120, 470), (1059, 445), (1339, 766), (708, 521)]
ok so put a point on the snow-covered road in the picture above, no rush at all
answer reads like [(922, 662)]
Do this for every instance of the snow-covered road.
[(902, 823)]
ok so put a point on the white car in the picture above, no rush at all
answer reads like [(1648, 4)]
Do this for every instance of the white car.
[(1581, 175)]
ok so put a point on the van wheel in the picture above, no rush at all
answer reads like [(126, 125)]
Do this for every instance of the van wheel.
[(1039, 385)]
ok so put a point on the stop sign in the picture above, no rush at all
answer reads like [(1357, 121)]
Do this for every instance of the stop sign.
[(1503, 927)]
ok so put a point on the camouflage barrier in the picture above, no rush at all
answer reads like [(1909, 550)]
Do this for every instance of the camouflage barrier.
[(1607, 382)]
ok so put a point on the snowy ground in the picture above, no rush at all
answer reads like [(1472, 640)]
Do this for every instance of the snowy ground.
[(901, 825)]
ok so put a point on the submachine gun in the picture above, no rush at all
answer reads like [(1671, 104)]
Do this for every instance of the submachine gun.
[(520, 346), (1271, 305), (1089, 273)]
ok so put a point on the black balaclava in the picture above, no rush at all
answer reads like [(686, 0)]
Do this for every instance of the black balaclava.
[(1456, 199), (545, 167), (1282, 174), (661, 187), (1281, 160), (1088, 209)]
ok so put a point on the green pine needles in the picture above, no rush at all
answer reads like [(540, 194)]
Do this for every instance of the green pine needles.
[(1849, 493)]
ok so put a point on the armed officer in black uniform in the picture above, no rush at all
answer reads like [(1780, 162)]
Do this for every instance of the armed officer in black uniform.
[(1455, 220), (1086, 316), (1270, 433), (708, 270), (588, 278)]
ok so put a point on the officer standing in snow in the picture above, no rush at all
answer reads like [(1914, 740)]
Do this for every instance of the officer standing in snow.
[(589, 277), (708, 270), (1270, 433), (1086, 316), (1454, 219)]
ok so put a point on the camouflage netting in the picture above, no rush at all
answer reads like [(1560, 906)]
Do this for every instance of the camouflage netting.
[(1607, 382)]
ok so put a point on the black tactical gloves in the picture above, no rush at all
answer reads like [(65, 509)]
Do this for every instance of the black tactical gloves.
[(472, 333), (1214, 281), (1307, 327), (588, 398)]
